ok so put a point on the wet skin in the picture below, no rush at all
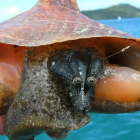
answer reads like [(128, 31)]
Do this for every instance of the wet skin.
[(1, 125), (79, 70)]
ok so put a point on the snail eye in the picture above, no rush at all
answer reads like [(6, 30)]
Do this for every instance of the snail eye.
[(91, 81), (77, 81)]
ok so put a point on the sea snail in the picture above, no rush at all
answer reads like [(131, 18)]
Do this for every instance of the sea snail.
[(65, 73), (80, 71)]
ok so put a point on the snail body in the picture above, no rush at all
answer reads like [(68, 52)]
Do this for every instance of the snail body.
[(79, 70)]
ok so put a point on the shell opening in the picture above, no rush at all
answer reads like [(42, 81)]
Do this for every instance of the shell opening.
[(124, 87)]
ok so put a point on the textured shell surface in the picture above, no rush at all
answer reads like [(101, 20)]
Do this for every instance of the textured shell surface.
[(50, 22)]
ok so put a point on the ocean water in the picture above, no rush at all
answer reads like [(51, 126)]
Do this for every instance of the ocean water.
[(109, 126), (129, 25)]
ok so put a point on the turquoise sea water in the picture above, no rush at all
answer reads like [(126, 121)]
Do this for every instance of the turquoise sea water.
[(109, 126)]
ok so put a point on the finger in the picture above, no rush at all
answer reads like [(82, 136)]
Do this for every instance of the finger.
[(2, 125)]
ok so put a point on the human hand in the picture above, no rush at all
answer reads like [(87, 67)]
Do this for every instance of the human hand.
[(2, 125)]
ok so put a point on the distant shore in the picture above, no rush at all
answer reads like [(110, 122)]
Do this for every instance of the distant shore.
[(113, 12)]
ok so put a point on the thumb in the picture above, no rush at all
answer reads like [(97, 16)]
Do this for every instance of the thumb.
[(2, 125)]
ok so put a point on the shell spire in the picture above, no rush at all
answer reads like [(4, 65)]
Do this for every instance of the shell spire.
[(70, 4)]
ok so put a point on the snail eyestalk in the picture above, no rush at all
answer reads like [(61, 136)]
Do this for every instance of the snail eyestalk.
[(123, 50), (79, 70)]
